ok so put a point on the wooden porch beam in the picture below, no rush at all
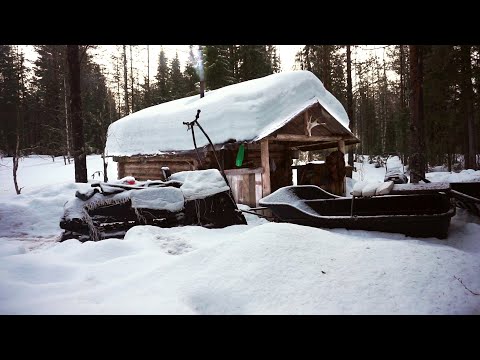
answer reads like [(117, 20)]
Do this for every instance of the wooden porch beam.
[(303, 138)]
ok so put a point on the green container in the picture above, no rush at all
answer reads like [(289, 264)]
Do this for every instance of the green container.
[(240, 155)]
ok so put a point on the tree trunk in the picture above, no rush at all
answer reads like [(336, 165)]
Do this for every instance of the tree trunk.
[(307, 58), (131, 79), (467, 99), (117, 73), (125, 77), (350, 114), (326, 67), (147, 95), (417, 141), (384, 105), (105, 165), (402, 81), (79, 151), (16, 157), (67, 128), (402, 102), (231, 49)]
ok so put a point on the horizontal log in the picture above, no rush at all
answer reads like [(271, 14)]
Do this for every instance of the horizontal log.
[(274, 156), (303, 138), (243, 171), (143, 167), (163, 158), (158, 165), (158, 168), (272, 147)]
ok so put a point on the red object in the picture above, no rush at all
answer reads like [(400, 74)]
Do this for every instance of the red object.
[(131, 182)]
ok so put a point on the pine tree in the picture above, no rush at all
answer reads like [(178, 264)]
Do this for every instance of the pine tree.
[(365, 111), (190, 75), (468, 107), (274, 59), (439, 107), (176, 81), (327, 62), (96, 105), (162, 91), (233, 60), (9, 84), (147, 91), (254, 62), (50, 71), (399, 63), (125, 81), (13, 106), (218, 69), (9, 100), (117, 81)]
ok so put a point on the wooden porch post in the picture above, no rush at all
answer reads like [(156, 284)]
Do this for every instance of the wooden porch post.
[(266, 168), (305, 132), (341, 147)]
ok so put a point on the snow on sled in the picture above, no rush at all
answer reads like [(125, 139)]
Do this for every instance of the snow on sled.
[(418, 212), (199, 197)]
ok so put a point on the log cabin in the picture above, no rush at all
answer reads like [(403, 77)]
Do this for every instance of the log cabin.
[(257, 128)]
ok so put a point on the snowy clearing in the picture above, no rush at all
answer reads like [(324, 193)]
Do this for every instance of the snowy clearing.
[(259, 268)]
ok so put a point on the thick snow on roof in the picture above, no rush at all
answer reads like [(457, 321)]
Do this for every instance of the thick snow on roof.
[(246, 111)]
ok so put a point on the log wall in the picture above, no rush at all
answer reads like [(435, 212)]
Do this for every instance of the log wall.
[(151, 168), (246, 181)]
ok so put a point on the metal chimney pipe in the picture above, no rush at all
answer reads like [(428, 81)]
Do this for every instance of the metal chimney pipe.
[(202, 88)]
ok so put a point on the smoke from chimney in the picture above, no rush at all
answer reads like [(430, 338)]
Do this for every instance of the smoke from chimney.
[(200, 71)]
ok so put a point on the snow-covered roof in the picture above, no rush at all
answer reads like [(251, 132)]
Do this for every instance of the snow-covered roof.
[(246, 111)]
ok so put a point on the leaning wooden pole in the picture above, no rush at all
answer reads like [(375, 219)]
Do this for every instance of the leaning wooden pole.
[(191, 125)]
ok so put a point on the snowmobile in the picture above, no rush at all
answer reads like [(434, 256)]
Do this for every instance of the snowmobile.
[(395, 170), (108, 210)]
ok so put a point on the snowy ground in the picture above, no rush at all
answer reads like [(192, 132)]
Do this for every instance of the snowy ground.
[(259, 268)]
